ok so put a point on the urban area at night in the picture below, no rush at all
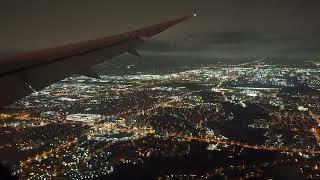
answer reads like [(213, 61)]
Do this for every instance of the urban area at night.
[(160, 90), (255, 119)]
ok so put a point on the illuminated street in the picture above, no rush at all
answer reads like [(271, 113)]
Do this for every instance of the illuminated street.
[(87, 128)]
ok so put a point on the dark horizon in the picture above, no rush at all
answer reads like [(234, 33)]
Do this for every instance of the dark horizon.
[(228, 29)]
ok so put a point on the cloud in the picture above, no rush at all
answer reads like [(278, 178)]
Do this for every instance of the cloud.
[(233, 37), (4, 52), (203, 41), (238, 43)]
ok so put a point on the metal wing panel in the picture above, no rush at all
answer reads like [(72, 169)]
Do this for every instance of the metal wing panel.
[(19, 61), (41, 76), (45, 67), (12, 89)]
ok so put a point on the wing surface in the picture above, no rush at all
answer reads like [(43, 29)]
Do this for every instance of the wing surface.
[(22, 73)]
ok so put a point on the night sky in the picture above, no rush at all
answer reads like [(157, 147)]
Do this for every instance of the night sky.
[(224, 29)]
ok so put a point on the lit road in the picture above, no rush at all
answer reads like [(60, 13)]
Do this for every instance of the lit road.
[(144, 132)]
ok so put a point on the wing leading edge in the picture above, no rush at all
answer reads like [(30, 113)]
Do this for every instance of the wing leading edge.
[(22, 73)]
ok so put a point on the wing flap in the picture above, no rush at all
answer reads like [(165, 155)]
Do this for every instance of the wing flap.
[(12, 63), (44, 75), (42, 68), (90, 73), (13, 88)]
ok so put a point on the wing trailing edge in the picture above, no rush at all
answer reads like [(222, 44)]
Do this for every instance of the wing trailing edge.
[(22, 73)]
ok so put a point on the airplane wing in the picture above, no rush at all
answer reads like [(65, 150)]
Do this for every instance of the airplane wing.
[(21, 74)]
